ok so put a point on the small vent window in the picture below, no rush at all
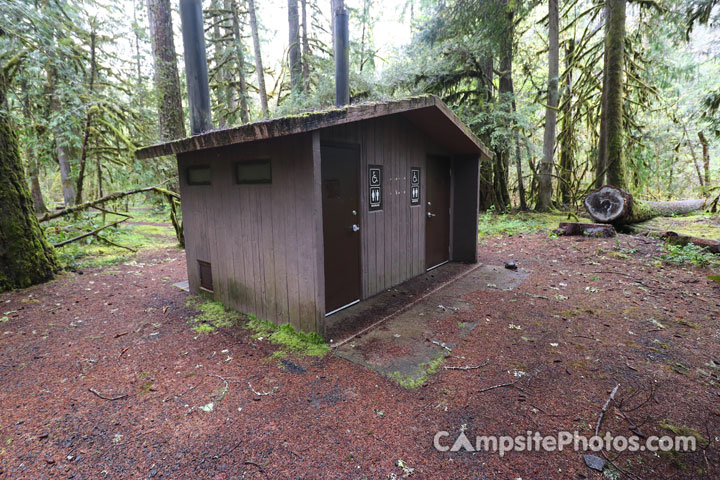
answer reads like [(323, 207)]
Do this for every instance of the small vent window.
[(206, 281), (254, 171), (198, 175)]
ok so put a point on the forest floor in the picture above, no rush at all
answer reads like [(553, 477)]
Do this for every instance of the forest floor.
[(104, 374)]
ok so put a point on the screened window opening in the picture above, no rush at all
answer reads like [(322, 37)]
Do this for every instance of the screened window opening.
[(199, 175), (255, 171)]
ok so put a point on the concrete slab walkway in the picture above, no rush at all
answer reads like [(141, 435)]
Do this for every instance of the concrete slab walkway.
[(412, 341)]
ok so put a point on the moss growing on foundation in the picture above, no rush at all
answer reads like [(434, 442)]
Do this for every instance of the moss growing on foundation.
[(285, 336)]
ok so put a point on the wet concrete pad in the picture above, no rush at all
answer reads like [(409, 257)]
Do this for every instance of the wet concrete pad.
[(410, 345)]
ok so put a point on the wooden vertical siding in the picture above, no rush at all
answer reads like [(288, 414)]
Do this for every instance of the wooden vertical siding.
[(264, 241), (260, 238), (392, 239)]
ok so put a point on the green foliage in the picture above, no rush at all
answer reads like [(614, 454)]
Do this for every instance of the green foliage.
[(690, 253), (494, 225), (93, 252)]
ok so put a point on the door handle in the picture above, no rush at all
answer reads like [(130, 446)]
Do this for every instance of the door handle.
[(430, 215), (355, 228)]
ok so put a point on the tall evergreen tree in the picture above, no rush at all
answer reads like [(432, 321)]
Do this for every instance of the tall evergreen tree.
[(294, 55), (613, 89), (167, 79), (544, 200)]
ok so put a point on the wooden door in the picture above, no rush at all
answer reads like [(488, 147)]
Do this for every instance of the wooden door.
[(341, 225), (437, 216)]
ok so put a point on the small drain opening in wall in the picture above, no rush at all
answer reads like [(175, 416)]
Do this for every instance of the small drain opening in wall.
[(206, 281)]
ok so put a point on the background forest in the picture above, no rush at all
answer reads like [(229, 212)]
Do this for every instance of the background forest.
[(87, 90), (569, 95)]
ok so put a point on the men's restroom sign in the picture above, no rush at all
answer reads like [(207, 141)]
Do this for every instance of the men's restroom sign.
[(414, 186), (375, 183)]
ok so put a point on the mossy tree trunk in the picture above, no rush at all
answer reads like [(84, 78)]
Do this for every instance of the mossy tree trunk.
[(258, 58), (294, 55), (613, 86), (26, 258), (544, 199), (567, 135), (167, 79)]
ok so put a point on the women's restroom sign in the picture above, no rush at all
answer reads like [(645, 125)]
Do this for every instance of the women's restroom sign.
[(375, 182), (414, 186)]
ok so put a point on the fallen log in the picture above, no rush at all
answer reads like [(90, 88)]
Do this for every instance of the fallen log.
[(87, 234), (99, 201), (615, 206), (597, 230), (678, 239)]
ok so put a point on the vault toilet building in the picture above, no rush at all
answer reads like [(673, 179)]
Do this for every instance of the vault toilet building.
[(295, 218)]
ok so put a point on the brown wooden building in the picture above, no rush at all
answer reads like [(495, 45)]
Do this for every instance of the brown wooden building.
[(294, 218)]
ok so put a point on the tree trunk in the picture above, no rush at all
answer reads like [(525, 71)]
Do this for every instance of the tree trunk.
[(691, 147), (35, 190), (258, 59), (567, 143), (518, 168), (706, 157), (138, 66), (615, 206), (294, 57), (305, 46), (26, 258), (31, 154), (167, 79), (601, 159), (240, 59), (544, 201), (220, 81), (227, 73), (615, 48), (488, 196), (86, 137), (507, 99)]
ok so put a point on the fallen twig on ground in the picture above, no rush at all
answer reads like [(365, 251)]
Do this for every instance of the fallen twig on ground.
[(511, 384), (225, 390), (611, 398), (467, 367), (441, 344), (624, 275), (261, 394), (532, 295), (105, 397)]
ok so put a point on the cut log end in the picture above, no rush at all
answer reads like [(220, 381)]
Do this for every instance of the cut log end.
[(608, 204), (616, 206)]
